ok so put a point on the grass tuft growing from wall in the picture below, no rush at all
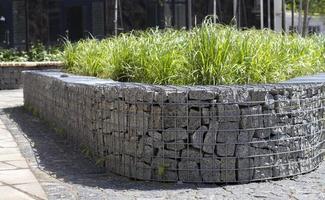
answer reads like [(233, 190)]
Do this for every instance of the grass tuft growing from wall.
[(208, 55)]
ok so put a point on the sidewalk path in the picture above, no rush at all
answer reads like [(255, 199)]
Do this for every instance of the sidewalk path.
[(65, 174), (16, 178)]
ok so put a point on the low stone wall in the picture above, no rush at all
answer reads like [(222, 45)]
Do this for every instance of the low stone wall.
[(210, 134), (10, 72)]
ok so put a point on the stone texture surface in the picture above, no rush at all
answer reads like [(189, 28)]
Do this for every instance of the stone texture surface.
[(66, 174), (249, 133), (16, 178), (11, 73)]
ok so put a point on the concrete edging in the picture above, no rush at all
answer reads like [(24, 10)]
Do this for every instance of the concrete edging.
[(202, 134)]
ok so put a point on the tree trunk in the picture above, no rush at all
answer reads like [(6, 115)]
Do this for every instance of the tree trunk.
[(284, 9), (305, 22), (293, 5), (299, 17)]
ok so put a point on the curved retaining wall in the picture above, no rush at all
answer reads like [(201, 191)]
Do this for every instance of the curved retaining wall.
[(10, 72), (210, 134)]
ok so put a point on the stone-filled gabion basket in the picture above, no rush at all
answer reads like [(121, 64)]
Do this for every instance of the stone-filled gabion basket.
[(202, 134), (10, 72)]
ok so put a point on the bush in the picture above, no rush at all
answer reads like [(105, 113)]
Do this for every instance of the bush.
[(208, 55), (37, 52)]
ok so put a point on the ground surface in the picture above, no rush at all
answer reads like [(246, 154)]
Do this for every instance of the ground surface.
[(65, 174)]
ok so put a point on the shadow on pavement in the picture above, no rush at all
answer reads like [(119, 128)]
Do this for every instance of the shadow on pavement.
[(55, 156)]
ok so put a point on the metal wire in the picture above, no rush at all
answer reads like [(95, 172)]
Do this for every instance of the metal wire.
[(217, 134)]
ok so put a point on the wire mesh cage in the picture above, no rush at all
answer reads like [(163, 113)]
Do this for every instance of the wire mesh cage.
[(201, 134)]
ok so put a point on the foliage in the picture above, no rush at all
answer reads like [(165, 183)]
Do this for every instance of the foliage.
[(316, 7), (37, 52), (209, 55)]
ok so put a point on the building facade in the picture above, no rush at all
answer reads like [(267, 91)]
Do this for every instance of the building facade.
[(48, 21)]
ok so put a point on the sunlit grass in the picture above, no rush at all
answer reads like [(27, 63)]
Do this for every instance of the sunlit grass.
[(208, 55)]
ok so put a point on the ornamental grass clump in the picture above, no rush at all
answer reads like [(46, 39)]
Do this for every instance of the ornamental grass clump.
[(208, 55)]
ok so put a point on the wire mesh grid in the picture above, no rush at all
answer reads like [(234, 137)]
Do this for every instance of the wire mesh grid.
[(10, 78), (218, 134)]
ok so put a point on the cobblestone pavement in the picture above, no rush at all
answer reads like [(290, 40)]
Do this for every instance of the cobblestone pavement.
[(65, 174)]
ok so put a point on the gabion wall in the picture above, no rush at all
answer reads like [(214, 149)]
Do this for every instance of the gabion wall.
[(10, 73), (10, 78), (210, 134)]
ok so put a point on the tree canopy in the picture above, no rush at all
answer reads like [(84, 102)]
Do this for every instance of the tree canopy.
[(316, 7)]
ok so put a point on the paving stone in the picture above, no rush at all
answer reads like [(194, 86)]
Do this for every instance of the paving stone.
[(13, 194)]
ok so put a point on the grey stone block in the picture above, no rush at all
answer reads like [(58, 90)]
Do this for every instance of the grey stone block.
[(198, 137), (263, 133), (210, 138), (264, 164), (174, 134), (164, 169), (228, 170), (145, 153), (177, 96), (176, 145), (206, 116), (251, 117), (282, 104), (259, 143), (201, 95), (188, 171), (141, 171), (174, 116), (227, 138), (244, 150), (155, 121), (228, 132), (210, 169), (228, 112), (245, 169), (245, 136), (164, 153), (194, 120), (269, 101), (191, 155)]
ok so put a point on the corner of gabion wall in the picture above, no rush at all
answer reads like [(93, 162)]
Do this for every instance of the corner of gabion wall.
[(11, 72), (203, 134)]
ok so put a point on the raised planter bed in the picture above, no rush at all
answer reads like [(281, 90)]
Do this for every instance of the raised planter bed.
[(209, 134), (10, 72)]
